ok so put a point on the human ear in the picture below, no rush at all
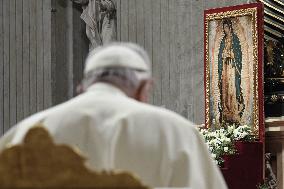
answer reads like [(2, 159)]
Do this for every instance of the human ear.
[(79, 89), (142, 91)]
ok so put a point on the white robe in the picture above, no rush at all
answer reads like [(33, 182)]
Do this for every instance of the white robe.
[(116, 132)]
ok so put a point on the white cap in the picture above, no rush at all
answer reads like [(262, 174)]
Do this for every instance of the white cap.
[(115, 55)]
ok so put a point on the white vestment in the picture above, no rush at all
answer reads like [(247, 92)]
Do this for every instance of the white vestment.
[(116, 132)]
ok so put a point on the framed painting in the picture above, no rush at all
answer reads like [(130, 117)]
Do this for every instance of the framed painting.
[(233, 74)]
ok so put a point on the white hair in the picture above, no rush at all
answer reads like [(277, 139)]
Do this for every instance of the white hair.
[(122, 77)]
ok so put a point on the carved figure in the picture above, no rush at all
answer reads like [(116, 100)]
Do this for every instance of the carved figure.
[(100, 19), (270, 176)]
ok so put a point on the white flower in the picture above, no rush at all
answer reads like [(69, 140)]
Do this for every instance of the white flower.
[(231, 129), (228, 140), (226, 149)]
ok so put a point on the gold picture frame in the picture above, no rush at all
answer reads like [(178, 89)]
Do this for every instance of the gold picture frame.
[(233, 45)]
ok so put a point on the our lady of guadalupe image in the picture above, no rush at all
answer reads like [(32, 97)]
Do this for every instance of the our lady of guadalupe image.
[(231, 105)]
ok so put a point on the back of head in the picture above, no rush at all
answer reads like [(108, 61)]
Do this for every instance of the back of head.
[(124, 65), (123, 55)]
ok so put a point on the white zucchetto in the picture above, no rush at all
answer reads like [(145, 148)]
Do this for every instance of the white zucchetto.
[(115, 55)]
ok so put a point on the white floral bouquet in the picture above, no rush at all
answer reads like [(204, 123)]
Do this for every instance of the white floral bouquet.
[(243, 133), (221, 141)]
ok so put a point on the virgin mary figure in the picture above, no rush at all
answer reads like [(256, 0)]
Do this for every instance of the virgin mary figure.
[(231, 105)]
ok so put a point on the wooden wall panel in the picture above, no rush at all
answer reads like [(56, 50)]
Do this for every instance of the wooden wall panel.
[(26, 58), (173, 68), (124, 24), (60, 52), (47, 92), (196, 60), (173, 37), (12, 62), (6, 22), (118, 19), (156, 16), (33, 55), (19, 60), (77, 49), (25, 55), (39, 56), (70, 47), (1, 68), (140, 36), (183, 41), (80, 46), (148, 32), (165, 49), (132, 32)]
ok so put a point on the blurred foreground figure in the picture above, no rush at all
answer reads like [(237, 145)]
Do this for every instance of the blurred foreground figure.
[(113, 127)]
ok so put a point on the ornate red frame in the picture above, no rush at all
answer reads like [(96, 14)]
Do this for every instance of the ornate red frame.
[(260, 40)]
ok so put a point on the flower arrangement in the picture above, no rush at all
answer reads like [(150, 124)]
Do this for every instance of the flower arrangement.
[(221, 141), (243, 133)]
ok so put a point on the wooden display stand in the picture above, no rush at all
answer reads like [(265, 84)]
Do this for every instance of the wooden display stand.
[(244, 169)]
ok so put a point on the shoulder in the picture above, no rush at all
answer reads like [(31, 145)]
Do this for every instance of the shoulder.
[(20, 129), (42, 115), (157, 126), (161, 117)]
